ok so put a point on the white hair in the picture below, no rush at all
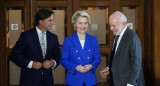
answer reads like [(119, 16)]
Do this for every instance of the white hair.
[(120, 16)]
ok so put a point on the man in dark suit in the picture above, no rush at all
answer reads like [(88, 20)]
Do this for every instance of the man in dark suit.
[(125, 61), (37, 51)]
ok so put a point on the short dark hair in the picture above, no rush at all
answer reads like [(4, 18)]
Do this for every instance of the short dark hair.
[(42, 14)]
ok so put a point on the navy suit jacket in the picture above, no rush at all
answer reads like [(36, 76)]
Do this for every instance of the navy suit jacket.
[(73, 55), (28, 48), (127, 62)]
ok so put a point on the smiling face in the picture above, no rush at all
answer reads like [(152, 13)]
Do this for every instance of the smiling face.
[(116, 26), (81, 25), (47, 23)]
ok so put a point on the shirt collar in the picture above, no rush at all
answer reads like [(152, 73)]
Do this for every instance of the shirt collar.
[(39, 31), (121, 34)]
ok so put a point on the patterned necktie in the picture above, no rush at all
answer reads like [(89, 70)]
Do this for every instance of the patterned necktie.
[(43, 45), (113, 52)]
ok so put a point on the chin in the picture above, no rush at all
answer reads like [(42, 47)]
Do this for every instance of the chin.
[(83, 32), (115, 34), (49, 29)]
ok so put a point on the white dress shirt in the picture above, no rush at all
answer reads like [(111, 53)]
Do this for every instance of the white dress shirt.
[(82, 43), (120, 36)]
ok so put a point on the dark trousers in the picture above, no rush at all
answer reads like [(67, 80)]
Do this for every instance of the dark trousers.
[(42, 82), (111, 79)]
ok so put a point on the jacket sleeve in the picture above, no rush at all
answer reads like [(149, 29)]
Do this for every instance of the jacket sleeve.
[(17, 53), (56, 53), (136, 60), (96, 55), (65, 61)]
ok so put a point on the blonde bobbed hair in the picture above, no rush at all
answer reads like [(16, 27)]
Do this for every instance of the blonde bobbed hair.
[(78, 14)]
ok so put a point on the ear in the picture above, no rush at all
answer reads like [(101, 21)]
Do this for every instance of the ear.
[(74, 25), (40, 21), (124, 24)]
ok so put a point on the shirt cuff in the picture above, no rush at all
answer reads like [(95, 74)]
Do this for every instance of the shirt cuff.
[(30, 65), (129, 84), (107, 68), (54, 64)]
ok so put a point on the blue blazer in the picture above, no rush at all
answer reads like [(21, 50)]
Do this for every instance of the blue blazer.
[(73, 55), (28, 48)]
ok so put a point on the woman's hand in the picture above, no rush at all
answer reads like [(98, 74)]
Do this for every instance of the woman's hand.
[(84, 69)]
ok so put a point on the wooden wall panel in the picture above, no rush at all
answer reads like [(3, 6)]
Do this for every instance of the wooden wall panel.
[(94, 3), (148, 44), (30, 8), (3, 66), (130, 3), (15, 4), (157, 41)]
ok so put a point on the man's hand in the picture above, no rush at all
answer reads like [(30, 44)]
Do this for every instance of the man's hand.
[(48, 64), (104, 73), (36, 65)]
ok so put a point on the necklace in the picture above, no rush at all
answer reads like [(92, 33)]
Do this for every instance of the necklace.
[(81, 36)]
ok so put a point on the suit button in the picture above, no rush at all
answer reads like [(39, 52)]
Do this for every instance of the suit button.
[(87, 57), (76, 51), (89, 50), (78, 58), (70, 71)]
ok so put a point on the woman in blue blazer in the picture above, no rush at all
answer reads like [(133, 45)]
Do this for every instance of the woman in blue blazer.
[(80, 53)]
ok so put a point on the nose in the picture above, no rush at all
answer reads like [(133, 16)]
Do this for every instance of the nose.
[(52, 22), (83, 25)]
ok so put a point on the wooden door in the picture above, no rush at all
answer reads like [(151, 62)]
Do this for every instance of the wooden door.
[(28, 8)]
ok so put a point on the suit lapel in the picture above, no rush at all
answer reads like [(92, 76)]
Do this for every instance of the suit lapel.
[(87, 44), (82, 52), (87, 48), (76, 43), (122, 41), (36, 39), (48, 41)]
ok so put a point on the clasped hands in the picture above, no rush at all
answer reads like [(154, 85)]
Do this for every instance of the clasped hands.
[(46, 64), (84, 69)]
